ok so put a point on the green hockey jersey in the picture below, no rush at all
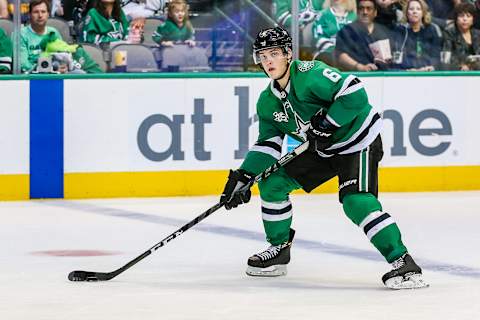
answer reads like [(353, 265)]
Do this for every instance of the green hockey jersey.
[(325, 28), (313, 86), (169, 31), (5, 53), (98, 29), (308, 9)]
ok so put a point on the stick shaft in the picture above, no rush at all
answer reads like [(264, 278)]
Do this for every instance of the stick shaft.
[(265, 174)]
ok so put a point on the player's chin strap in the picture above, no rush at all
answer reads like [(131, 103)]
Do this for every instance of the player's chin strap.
[(284, 73)]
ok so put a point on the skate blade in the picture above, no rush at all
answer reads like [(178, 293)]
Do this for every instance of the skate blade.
[(414, 281), (272, 271)]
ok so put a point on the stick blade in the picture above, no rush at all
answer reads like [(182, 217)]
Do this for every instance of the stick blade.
[(78, 275)]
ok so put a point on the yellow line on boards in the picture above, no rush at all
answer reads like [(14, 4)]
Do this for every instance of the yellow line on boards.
[(196, 183), (14, 187)]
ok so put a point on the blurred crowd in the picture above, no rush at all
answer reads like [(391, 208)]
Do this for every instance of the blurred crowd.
[(371, 35), (93, 36)]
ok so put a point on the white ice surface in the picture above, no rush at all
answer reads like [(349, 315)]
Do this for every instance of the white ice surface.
[(334, 274)]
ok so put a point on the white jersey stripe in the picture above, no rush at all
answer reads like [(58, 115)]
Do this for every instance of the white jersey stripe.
[(330, 119), (276, 217), (284, 17), (267, 150), (360, 172), (367, 167), (349, 90), (345, 84), (365, 124), (371, 216), (372, 134), (385, 223), (276, 205), (277, 139)]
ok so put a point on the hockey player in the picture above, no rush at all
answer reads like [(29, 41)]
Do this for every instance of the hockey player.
[(309, 100)]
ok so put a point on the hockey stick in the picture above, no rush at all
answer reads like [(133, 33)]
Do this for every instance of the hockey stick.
[(79, 275)]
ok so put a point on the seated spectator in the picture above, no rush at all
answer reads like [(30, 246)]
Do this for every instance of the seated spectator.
[(137, 9), (24, 9), (177, 27), (418, 42), (461, 40), (363, 45), (105, 23), (32, 35), (5, 53), (389, 12), (35, 37), (4, 9), (334, 17), (308, 11)]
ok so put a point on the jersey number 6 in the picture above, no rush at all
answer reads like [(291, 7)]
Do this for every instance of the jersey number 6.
[(331, 75)]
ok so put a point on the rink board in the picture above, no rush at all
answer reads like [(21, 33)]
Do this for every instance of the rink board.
[(169, 136), (14, 140), (415, 162)]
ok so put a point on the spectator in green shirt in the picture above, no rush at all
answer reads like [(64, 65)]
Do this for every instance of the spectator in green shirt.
[(5, 53), (308, 10), (106, 22), (32, 35), (35, 37), (177, 27)]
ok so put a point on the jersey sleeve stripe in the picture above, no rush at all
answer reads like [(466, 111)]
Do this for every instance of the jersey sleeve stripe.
[(269, 144), (340, 147), (267, 150), (284, 17), (330, 119), (350, 85), (323, 44), (272, 146)]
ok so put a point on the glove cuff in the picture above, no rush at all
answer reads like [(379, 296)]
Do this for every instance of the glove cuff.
[(322, 124), (241, 175)]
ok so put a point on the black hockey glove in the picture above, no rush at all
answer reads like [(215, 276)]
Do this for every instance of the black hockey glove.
[(320, 132), (231, 194)]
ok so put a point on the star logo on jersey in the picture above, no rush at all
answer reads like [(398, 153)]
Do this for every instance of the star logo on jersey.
[(280, 117), (304, 66), (302, 127)]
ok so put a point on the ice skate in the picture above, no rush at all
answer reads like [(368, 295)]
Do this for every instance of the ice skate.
[(272, 262), (406, 274)]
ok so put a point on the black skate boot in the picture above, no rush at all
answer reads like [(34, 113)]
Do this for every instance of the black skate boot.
[(406, 274), (271, 262)]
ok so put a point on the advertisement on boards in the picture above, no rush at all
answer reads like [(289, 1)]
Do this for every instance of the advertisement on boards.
[(209, 124)]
